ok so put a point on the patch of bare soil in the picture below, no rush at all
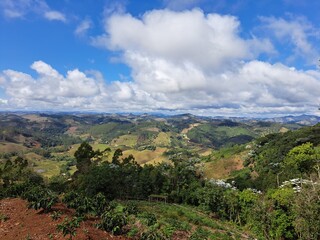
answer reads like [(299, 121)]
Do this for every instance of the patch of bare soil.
[(72, 130), (186, 130), (223, 168), (17, 222)]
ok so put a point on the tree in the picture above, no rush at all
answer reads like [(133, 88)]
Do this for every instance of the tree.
[(306, 209), (83, 156), (301, 158), (117, 154)]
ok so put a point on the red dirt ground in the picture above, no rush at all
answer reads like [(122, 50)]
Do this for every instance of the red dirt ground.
[(22, 223)]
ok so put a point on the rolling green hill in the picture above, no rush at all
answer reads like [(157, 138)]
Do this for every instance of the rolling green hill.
[(147, 137), (219, 177)]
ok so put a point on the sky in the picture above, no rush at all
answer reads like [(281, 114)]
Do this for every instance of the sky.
[(205, 57)]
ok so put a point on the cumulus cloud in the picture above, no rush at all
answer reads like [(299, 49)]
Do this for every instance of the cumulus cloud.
[(180, 61), (191, 60), (254, 87), (50, 86), (298, 32), (83, 27), (210, 41), (21, 8)]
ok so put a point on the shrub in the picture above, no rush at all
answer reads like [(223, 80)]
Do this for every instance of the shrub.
[(132, 208), (69, 227), (113, 221), (150, 218), (39, 197), (55, 215), (84, 205)]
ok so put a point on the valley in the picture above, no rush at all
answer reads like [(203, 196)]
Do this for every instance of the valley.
[(125, 176), (48, 141)]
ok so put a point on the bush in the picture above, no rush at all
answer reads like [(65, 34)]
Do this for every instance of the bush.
[(69, 227), (39, 197), (113, 221), (86, 205), (15, 190), (132, 208), (152, 234), (150, 218)]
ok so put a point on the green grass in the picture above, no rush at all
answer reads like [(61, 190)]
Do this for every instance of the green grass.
[(48, 168), (7, 147), (99, 146), (214, 135), (195, 223), (227, 152), (163, 139), (125, 140), (147, 156)]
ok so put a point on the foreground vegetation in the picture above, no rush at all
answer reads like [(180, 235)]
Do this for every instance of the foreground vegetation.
[(275, 195)]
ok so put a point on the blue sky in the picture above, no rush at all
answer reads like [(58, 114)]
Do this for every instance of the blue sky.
[(218, 57)]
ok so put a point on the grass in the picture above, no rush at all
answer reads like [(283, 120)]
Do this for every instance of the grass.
[(33, 157), (125, 140), (223, 167), (147, 156), (99, 146), (163, 139), (227, 152), (48, 168), (217, 136), (233, 131), (195, 223), (11, 147)]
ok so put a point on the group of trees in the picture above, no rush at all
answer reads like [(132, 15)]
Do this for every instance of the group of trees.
[(290, 211)]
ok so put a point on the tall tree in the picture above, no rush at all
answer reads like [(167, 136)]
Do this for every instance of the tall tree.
[(83, 155)]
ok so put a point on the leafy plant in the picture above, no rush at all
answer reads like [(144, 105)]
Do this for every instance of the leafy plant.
[(99, 202), (55, 215), (39, 197), (132, 208), (84, 205), (152, 234), (3, 217), (113, 221), (150, 218), (69, 227), (200, 234)]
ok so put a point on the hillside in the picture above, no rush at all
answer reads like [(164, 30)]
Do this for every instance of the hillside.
[(179, 222), (48, 141), (146, 177)]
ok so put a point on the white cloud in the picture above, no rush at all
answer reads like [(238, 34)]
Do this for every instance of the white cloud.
[(297, 32), (50, 87), (180, 61), (83, 27), (196, 62), (21, 8), (55, 15), (254, 87), (210, 41), (15, 9), (175, 51), (3, 101)]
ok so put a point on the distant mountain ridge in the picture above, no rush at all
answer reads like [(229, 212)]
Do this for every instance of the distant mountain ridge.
[(304, 119)]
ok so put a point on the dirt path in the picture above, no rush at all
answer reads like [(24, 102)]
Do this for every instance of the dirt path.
[(186, 130)]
